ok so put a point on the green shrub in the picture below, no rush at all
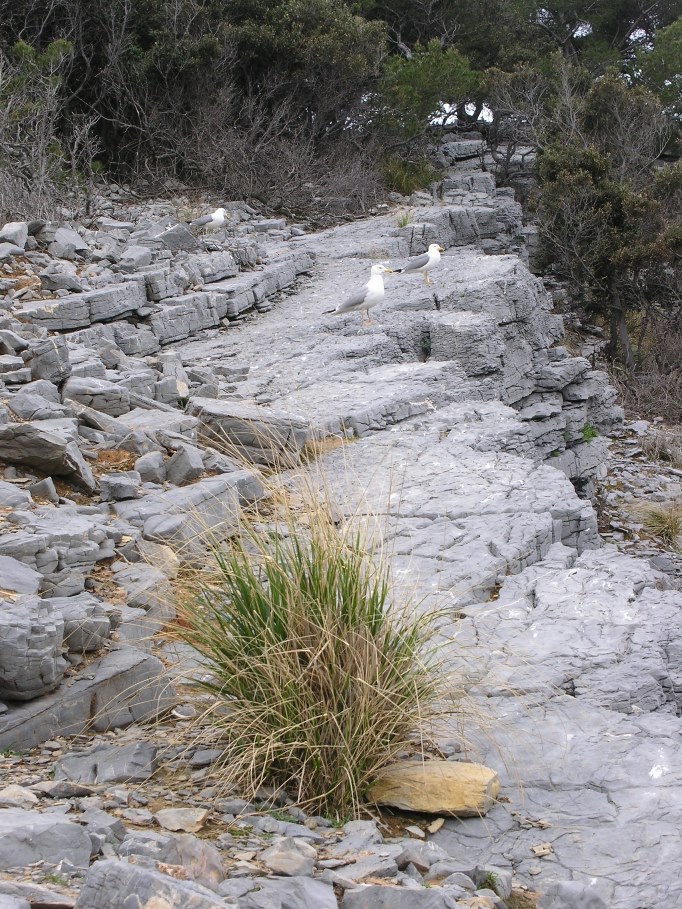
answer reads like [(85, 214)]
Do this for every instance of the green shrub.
[(404, 176), (589, 432), (315, 680)]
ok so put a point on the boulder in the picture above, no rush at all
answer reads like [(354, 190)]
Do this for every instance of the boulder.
[(15, 232), (113, 883), (49, 359), (109, 764), (259, 434), (436, 787), (27, 837), (49, 446), (31, 662), (100, 394)]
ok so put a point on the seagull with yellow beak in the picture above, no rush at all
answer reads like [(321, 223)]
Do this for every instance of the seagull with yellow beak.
[(424, 262), (363, 300)]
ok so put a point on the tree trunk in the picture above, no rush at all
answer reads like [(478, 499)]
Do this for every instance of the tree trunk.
[(619, 335)]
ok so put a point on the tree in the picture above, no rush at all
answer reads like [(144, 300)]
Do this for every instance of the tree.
[(659, 67)]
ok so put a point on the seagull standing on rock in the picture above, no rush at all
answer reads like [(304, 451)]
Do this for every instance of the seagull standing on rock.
[(214, 221), (424, 262), (363, 300)]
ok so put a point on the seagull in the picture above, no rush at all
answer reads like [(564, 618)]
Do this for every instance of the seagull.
[(363, 300), (424, 262), (214, 221)]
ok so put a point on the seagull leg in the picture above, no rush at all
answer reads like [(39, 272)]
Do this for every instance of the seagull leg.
[(427, 280)]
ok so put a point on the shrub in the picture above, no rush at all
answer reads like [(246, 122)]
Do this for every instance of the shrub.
[(405, 176), (315, 679), (665, 522)]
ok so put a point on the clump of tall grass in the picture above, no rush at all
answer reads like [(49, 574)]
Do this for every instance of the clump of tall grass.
[(665, 522), (315, 678)]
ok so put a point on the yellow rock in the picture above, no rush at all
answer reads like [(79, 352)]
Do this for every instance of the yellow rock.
[(437, 787)]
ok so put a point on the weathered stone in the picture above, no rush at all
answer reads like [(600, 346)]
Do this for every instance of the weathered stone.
[(109, 764), (129, 884), (67, 244), (289, 893), (122, 687), (185, 465), (16, 577), (421, 855), (87, 623), (134, 257), (571, 895), (33, 895), (290, 857), (119, 486), (151, 467), (259, 434), (31, 634), (15, 232), (27, 837), (101, 395), (35, 407), (376, 896), (14, 796), (49, 359), (12, 496), (437, 787), (9, 250), (178, 237), (49, 446), (188, 820)]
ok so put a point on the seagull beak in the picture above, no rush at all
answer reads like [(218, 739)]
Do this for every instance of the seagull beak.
[(441, 249), (388, 270)]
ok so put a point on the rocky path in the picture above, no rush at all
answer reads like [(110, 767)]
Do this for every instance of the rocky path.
[(468, 429)]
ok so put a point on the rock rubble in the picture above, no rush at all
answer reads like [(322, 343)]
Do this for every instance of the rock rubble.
[(140, 366)]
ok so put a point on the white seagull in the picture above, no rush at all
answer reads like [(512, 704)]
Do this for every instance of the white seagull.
[(214, 221), (424, 262), (363, 300)]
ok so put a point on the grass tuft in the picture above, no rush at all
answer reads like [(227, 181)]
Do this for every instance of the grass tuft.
[(665, 522), (315, 679), (404, 177)]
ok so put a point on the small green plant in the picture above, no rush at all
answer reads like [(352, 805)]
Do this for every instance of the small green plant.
[(489, 882), (405, 176), (404, 218), (316, 679), (589, 432), (52, 878)]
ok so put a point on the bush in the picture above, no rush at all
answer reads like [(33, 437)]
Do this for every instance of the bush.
[(405, 176), (315, 679)]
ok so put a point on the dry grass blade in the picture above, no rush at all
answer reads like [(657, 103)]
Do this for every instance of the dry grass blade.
[(315, 678)]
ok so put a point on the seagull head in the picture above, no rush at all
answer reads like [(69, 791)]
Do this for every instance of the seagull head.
[(381, 270), (436, 247), (221, 212)]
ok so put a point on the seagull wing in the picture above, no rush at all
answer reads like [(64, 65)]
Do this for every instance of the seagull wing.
[(199, 222), (416, 263), (353, 302)]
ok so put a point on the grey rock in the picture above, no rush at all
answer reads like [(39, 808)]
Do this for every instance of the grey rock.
[(45, 489), (36, 895), (377, 897), (31, 634), (15, 232), (18, 578), (151, 467), (103, 396), (67, 244), (184, 466), (42, 388), (119, 486), (291, 857), (13, 902), (260, 434), (35, 407), (122, 687), (291, 893), (49, 446), (148, 588), (11, 342), (421, 855), (87, 623), (9, 250), (571, 895), (57, 279), (27, 837), (134, 257), (200, 860), (133, 885), (109, 764), (49, 360), (177, 238), (12, 496)]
